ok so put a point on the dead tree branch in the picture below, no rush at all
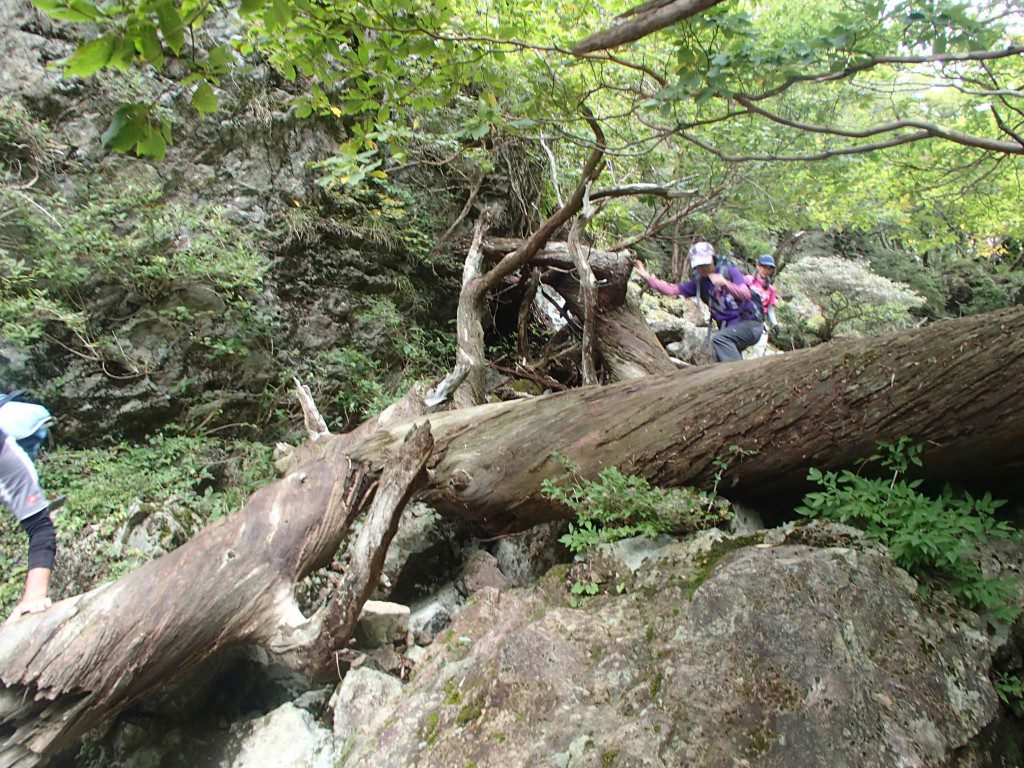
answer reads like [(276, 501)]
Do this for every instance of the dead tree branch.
[(642, 21), (316, 427)]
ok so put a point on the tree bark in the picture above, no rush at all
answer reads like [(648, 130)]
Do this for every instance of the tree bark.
[(627, 346), (85, 659), (642, 21), (625, 343), (953, 386), (470, 352), (586, 301)]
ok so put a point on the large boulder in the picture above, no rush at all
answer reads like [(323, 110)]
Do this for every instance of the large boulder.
[(288, 736), (381, 623), (816, 649), (358, 700)]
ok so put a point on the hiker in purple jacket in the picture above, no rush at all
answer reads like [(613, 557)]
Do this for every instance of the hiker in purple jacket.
[(727, 295)]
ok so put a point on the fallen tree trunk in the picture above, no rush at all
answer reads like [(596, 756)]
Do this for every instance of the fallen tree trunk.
[(84, 660), (955, 386)]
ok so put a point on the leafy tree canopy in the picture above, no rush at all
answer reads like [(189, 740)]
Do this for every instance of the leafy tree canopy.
[(903, 114)]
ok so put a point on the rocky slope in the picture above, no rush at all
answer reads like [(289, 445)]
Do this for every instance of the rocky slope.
[(793, 646), (210, 277)]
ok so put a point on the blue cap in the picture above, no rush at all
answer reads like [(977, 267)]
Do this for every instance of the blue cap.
[(765, 260)]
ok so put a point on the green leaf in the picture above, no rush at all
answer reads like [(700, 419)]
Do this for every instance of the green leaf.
[(122, 54), (221, 56), (148, 44), (303, 110), (79, 10), (152, 145), (281, 13), (204, 99), (171, 26), (249, 7), (90, 57), (127, 128)]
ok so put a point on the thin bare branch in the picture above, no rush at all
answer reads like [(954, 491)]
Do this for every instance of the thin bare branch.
[(316, 427), (929, 129), (875, 61), (905, 138)]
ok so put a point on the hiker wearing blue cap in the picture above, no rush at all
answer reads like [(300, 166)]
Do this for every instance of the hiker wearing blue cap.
[(722, 287), (761, 284)]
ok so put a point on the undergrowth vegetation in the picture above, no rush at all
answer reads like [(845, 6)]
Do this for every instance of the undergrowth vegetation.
[(936, 539), (617, 506), (176, 483)]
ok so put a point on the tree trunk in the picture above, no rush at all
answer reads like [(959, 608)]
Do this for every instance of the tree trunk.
[(627, 345), (81, 662), (470, 352), (624, 341), (954, 386)]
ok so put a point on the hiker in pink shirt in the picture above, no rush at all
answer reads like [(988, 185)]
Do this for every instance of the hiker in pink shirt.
[(761, 284)]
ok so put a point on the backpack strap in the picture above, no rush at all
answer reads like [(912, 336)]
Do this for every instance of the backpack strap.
[(5, 399)]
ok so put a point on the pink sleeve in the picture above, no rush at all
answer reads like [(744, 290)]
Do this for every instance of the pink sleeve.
[(736, 284), (773, 299), (669, 289)]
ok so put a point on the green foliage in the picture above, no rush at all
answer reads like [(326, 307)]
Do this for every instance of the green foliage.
[(134, 239), (128, 238), (935, 539), (350, 383), (138, 127), (356, 384), (194, 479), (1010, 689), (618, 506), (975, 286)]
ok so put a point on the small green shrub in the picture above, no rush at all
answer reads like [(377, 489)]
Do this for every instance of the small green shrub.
[(935, 539), (57, 256), (617, 506), (1010, 689)]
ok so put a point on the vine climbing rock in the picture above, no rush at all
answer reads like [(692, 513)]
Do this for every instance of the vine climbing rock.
[(720, 650)]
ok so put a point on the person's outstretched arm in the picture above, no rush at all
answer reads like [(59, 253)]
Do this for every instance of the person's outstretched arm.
[(20, 491), (689, 288), (42, 547)]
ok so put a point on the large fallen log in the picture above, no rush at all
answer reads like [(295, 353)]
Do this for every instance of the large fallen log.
[(84, 660), (955, 386)]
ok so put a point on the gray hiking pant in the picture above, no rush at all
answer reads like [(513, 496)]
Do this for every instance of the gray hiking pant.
[(730, 342), (19, 486)]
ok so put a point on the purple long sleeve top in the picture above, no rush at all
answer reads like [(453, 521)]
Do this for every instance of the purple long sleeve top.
[(729, 305)]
